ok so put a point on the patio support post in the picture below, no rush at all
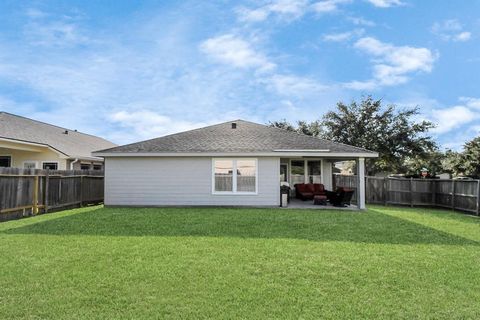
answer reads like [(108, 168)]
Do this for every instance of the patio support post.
[(361, 183), (305, 172)]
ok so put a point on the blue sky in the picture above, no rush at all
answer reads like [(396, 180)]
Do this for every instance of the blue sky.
[(132, 70)]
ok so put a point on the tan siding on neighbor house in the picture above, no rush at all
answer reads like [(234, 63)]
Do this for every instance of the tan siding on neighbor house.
[(46, 155), (156, 181)]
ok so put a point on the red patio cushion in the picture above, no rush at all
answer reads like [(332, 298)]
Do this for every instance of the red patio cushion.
[(318, 188), (302, 187)]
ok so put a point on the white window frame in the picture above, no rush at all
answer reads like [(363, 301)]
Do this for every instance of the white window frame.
[(30, 161), (234, 177), (50, 162)]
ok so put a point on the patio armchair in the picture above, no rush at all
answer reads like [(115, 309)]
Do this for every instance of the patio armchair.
[(341, 197)]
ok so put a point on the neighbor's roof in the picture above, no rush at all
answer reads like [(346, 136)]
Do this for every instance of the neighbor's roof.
[(247, 137), (74, 144)]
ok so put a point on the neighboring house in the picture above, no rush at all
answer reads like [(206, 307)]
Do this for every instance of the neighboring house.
[(27, 143), (236, 163)]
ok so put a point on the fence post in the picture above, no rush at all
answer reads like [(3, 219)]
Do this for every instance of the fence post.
[(411, 192), (434, 192), (45, 191), (35, 195), (385, 191), (366, 189), (453, 194), (81, 191), (478, 198)]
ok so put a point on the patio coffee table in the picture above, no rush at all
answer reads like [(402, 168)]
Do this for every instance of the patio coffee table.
[(320, 199)]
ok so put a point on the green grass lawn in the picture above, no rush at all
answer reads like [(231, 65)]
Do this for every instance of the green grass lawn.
[(117, 263)]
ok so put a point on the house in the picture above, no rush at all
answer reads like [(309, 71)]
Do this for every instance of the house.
[(27, 143), (237, 163)]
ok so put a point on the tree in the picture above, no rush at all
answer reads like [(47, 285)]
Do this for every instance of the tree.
[(466, 162), (452, 162), (283, 124), (471, 158), (393, 133), (313, 128), (433, 161)]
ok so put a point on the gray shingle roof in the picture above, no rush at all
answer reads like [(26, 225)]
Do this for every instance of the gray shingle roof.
[(73, 144), (248, 137)]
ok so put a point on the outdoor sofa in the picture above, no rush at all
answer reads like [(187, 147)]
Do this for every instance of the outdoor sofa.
[(306, 191)]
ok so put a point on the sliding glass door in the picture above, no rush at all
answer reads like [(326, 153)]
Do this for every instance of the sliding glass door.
[(297, 174)]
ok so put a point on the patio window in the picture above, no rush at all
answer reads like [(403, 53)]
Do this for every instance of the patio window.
[(235, 176)]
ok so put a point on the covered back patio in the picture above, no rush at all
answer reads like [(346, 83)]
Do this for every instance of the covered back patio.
[(319, 170)]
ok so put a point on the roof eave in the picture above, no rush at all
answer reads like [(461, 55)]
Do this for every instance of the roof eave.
[(291, 154)]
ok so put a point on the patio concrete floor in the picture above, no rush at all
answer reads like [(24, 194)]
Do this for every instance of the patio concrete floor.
[(299, 204)]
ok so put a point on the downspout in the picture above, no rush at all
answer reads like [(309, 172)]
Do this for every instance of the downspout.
[(72, 163)]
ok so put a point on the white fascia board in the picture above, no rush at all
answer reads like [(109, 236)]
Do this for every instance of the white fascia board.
[(350, 155), (29, 143), (302, 150)]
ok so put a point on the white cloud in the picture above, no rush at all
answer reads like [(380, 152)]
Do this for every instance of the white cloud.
[(451, 118), (165, 76), (473, 103), (286, 9), (232, 50), (54, 34), (455, 124), (361, 85), (45, 30), (326, 6), (451, 30), (392, 65), (343, 36), (290, 85), (131, 90), (359, 21), (146, 123), (463, 36), (386, 3)]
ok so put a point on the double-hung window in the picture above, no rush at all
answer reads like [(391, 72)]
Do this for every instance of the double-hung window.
[(234, 176), (50, 165)]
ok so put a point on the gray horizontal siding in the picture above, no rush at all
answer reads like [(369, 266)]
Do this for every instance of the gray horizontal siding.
[(159, 181)]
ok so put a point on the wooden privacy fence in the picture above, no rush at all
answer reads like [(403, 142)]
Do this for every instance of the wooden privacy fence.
[(25, 192), (463, 195)]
